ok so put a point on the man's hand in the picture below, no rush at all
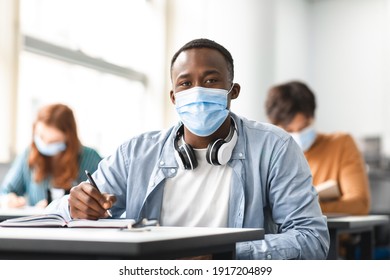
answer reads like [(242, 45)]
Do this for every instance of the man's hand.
[(86, 202)]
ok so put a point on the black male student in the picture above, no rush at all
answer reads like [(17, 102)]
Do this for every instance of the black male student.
[(212, 169)]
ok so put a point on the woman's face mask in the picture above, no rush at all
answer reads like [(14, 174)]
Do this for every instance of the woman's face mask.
[(54, 139), (50, 149), (202, 110), (305, 138)]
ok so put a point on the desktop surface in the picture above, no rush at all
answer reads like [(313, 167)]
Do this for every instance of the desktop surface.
[(361, 225), (351, 222), (91, 243)]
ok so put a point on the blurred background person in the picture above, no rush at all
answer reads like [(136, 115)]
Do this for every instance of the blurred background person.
[(52, 164), (338, 168)]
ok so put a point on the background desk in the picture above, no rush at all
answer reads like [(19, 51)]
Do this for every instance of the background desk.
[(93, 243), (9, 213), (363, 225)]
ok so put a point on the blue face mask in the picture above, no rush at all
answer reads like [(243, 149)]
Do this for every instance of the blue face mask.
[(305, 138), (202, 110), (51, 149)]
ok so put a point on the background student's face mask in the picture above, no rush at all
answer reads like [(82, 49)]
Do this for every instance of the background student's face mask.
[(202, 110), (305, 138), (51, 149)]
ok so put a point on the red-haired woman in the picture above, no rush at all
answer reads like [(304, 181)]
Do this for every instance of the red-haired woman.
[(54, 162)]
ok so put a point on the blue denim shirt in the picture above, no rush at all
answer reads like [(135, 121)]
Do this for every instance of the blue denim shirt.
[(271, 188)]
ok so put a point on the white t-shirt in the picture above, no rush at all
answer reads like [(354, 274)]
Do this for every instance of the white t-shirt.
[(198, 197)]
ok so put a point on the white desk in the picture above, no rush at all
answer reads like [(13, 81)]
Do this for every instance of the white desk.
[(87, 243), (364, 225)]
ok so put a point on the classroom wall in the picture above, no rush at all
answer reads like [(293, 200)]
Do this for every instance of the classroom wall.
[(269, 41), (347, 63), (291, 44), (244, 28), (340, 48)]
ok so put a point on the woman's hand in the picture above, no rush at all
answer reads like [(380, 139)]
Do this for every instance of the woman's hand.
[(42, 203), (14, 201)]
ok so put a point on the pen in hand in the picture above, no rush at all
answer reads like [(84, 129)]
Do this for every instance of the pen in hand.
[(92, 182)]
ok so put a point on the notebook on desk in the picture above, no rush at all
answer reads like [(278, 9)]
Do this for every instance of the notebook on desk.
[(335, 215), (328, 190), (55, 220)]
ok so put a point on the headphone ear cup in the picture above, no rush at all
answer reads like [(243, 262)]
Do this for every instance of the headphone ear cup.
[(187, 156), (212, 152)]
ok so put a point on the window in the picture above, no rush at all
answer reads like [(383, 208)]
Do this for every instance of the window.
[(93, 56)]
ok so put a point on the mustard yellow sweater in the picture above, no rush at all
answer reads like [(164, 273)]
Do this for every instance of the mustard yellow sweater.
[(336, 156)]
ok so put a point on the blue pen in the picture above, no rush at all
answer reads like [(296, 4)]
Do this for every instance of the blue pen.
[(92, 182)]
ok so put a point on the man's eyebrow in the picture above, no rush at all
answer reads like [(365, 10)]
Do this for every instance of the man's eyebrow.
[(205, 73), (184, 75), (210, 72)]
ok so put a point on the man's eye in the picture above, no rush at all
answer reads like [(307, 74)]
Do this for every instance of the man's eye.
[(210, 81), (185, 84)]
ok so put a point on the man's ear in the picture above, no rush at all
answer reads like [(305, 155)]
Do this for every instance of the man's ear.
[(172, 95), (235, 92)]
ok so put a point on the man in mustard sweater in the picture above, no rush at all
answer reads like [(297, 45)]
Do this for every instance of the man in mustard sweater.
[(336, 164)]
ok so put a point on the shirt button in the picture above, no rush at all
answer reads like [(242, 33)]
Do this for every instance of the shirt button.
[(241, 154), (162, 163), (269, 257), (173, 171)]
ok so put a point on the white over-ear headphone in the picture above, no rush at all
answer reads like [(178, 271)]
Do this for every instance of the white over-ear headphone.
[(218, 152)]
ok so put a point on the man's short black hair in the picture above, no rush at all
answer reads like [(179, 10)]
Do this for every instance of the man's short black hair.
[(206, 43), (286, 100)]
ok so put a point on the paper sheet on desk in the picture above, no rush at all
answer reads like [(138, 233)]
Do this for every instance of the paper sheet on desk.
[(328, 190)]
